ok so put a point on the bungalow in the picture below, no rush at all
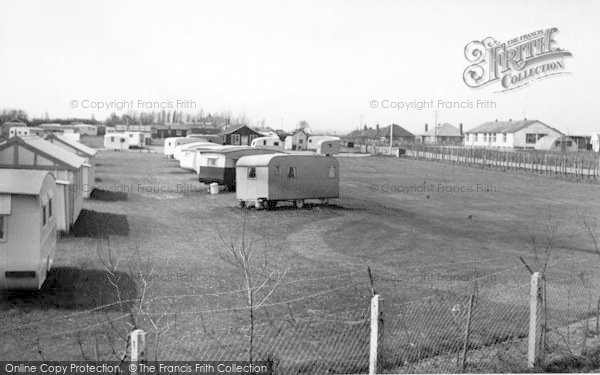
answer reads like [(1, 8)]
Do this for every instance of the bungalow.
[(27, 227), (377, 136), (81, 150), (35, 153), (509, 134), (298, 140), (240, 135), (442, 134)]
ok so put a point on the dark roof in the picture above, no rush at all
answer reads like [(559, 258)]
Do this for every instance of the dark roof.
[(505, 126), (399, 132), (442, 130), (233, 129)]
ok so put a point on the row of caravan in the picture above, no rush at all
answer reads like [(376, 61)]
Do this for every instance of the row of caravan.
[(260, 175)]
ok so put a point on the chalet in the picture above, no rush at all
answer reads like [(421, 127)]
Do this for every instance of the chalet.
[(27, 227), (35, 153), (509, 134), (83, 151), (442, 134), (240, 135)]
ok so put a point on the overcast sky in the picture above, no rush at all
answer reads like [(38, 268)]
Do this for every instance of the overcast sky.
[(319, 61)]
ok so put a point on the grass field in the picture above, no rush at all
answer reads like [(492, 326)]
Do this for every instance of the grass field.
[(408, 220)]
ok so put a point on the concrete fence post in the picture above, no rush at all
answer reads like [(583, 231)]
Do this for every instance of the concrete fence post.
[(137, 346), (535, 344), (376, 334)]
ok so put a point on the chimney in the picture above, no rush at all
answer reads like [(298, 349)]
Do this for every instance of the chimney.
[(496, 120), (460, 128), (509, 120), (377, 126), (425, 128), (525, 119), (365, 128)]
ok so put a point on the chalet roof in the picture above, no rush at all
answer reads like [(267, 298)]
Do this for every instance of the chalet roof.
[(22, 181), (50, 150), (74, 144)]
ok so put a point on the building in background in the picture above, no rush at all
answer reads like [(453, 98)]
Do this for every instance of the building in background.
[(240, 135), (442, 134), (510, 134)]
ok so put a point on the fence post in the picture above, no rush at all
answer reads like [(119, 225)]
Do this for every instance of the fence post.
[(535, 344), (137, 346), (376, 330)]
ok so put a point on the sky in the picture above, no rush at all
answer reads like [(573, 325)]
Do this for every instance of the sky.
[(324, 62)]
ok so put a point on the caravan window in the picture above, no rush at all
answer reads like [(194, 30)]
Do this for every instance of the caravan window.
[(2, 228), (252, 172), (275, 143), (212, 162), (277, 170), (112, 139), (292, 172), (50, 207), (44, 216), (331, 171)]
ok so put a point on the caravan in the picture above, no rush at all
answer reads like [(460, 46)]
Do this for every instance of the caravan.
[(264, 180), (191, 155), (218, 165), (116, 141), (136, 139), (172, 142), (273, 143)]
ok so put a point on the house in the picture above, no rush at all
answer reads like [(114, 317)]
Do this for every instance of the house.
[(116, 141), (32, 152), (28, 211), (560, 143), (264, 180), (240, 135), (218, 165), (379, 136), (298, 140), (86, 129), (442, 134), (81, 150), (509, 134)]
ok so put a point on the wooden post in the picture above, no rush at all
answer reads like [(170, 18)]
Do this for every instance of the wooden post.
[(137, 346), (535, 344), (376, 329)]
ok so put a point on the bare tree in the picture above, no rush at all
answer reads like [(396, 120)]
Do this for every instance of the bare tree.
[(259, 279)]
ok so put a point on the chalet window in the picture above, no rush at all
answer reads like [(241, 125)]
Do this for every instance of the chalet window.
[(44, 218), (252, 172), (569, 143), (275, 143), (494, 137), (2, 228), (504, 137), (264, 143), (557, 143), (292, 172), (50, 207), (235, 139), (530, 138), (112, 139), (130, 135), (212, 162), (331, 171), (541, 135), (277, 170), (301, 141)]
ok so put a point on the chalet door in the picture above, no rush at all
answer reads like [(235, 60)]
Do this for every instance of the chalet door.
[(245, 140)]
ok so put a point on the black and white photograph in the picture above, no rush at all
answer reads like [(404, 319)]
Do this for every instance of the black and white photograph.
[(299, 187)]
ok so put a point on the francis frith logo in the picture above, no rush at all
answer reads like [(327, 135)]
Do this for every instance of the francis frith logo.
[(515, 63)]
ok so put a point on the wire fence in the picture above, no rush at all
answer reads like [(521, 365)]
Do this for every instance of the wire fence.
[(457, 317)]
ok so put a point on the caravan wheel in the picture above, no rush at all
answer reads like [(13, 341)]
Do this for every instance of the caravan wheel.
[(241, 204), (269, 205), (299, 203), (258, 204)]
